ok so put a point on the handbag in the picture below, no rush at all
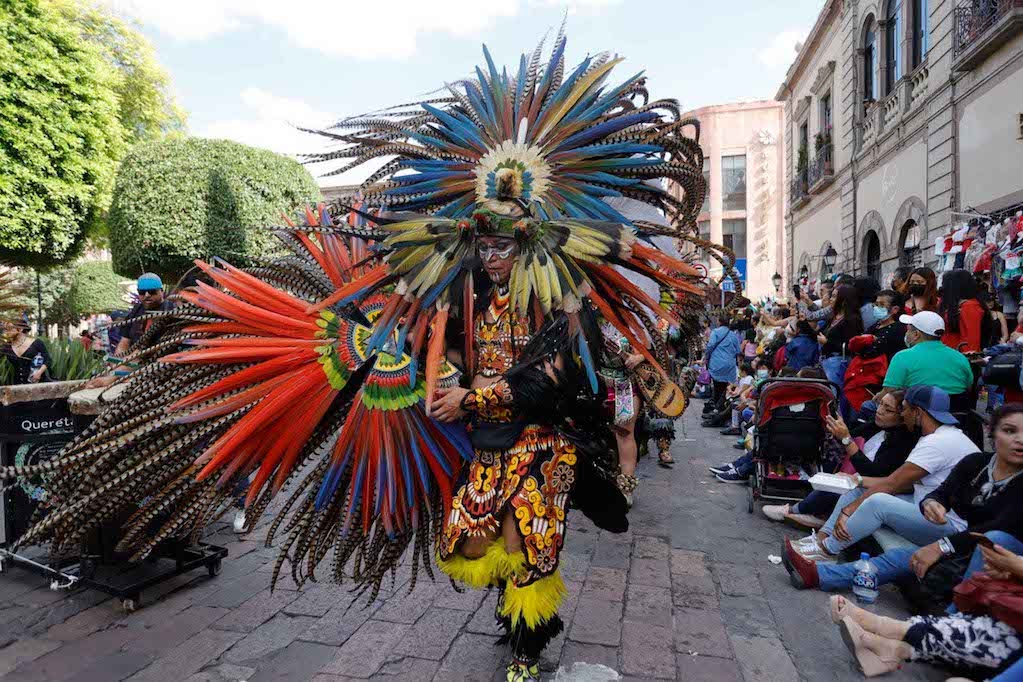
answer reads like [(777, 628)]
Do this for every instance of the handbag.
[(984, 594), (1004, 369)]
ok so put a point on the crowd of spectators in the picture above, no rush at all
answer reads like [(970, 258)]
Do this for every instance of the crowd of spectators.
[(924, 497)]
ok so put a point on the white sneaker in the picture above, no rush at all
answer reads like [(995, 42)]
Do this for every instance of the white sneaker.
[(776, 512), (814, 552), (239, 522)]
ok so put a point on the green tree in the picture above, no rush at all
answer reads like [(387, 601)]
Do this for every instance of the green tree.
[(181, 199), (148, 110), (61, 135), (95, 288)]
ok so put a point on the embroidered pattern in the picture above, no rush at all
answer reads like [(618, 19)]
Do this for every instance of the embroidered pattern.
[(536, 475)]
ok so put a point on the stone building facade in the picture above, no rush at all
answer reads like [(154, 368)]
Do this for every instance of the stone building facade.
[(902, 118), (745, 174)]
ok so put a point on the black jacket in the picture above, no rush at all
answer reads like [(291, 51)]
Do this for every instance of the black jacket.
[(1003, 511)]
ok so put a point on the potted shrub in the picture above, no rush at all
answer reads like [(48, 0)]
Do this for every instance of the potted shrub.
[(821, 142)]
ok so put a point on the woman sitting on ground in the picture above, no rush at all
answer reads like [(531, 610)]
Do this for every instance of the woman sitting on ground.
[(986, 491), (882, 453), (978, 645), (894, 500)]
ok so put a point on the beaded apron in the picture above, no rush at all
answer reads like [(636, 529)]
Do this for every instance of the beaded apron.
[(534, 476)]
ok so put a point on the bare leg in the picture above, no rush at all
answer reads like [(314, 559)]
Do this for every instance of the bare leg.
[(889, 628), (512, 539), (628, 451), (476, 547)]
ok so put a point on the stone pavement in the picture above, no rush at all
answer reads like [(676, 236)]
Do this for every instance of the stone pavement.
[(687, 594)]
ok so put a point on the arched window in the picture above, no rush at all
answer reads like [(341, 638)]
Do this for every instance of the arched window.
[(873, 253), (893, 46), (921, 31), (909, 246), (870, 84)]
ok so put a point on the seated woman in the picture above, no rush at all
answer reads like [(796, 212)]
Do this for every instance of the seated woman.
[(747, 372), (978, 645), (894, 501), (882, 454), (984, 490)]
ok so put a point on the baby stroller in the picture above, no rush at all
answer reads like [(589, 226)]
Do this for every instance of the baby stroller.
[(789, 437)]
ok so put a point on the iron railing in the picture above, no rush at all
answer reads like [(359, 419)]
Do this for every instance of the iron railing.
[(800, 186), (822, 165), (974, 18)]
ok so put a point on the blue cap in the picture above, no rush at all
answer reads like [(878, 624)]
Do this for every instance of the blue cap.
[(932, 400), (149, 282)]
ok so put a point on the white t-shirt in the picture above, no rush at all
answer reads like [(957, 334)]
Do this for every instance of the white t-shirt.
[(937, 454), (871, 447), (745, 381)]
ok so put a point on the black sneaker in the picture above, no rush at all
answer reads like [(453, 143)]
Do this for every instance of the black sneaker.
[(731, 431), (732, 477)]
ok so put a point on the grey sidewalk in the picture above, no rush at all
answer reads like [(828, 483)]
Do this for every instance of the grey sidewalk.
[(687, 594)]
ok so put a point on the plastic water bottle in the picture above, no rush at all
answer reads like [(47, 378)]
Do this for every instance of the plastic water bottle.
[(865, 580)]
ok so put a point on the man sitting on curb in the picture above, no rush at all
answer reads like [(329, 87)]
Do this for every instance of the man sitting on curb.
[(894, 501)]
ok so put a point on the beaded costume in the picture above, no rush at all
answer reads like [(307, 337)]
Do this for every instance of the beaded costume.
[(322, 372)]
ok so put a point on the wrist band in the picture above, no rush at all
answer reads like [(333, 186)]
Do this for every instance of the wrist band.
[(946, 547)]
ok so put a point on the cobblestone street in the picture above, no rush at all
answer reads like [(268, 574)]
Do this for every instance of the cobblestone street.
[(687, 594)]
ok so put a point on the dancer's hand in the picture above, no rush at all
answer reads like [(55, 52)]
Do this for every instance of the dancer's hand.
[(924, 558), (447, 404), (633, 361)]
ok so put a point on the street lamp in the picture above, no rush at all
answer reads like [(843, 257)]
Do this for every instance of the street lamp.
[(776, 281), (830, 258)]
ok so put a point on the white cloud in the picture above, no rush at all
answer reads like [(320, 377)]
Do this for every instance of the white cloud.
[(334, 27), (270, 123), (781, 51)]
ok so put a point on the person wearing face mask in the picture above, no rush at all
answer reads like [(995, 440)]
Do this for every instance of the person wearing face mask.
[(888, 445), (890, 333), (927, 361), (900, 279), (922, 289), (802, 350), (884, 501)]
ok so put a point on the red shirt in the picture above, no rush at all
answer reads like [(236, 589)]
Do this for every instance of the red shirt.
[(971, 317)]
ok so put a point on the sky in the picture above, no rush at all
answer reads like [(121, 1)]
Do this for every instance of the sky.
[(252, 70)]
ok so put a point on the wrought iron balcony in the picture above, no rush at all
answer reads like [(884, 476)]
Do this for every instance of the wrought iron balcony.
[(822, 170), (983, 26), (800, 189)]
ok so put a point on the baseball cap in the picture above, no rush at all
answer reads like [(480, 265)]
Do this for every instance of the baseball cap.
[(149, 282), (932, 400), (926, 321)]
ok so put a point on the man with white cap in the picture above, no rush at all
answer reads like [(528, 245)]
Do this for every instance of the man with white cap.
[(926, 360)]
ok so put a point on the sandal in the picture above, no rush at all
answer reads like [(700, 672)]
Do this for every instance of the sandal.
[(665, 459)]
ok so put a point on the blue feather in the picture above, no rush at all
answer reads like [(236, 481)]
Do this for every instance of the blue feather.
[(607, 128), (587, 358)]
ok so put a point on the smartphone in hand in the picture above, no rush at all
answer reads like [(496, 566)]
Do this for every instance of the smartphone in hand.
[(983, 540)]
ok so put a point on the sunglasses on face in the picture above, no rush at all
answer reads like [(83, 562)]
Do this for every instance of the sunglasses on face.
[(494, 252), (149, 292)]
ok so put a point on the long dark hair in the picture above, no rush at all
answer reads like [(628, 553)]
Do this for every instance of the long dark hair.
[(847, 304), (930, 287), (957, 287), (867, 289)]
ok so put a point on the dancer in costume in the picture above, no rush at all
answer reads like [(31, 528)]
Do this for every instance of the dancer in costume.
[(423, 375)]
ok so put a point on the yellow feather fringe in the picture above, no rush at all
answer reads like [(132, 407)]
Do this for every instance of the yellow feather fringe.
[(537, 602), (493, 568)]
